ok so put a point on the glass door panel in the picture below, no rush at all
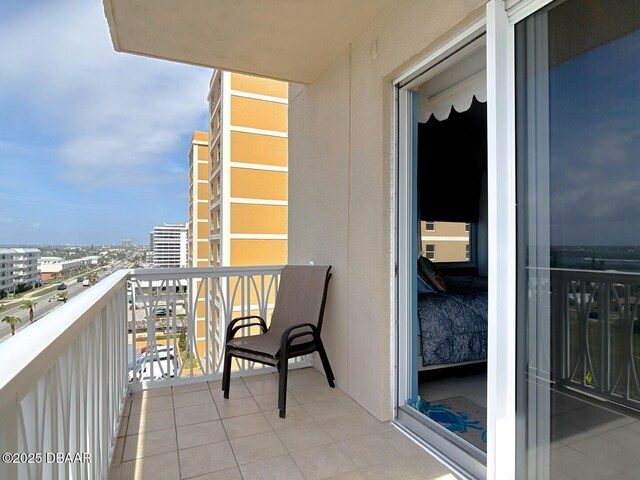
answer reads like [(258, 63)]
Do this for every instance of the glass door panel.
[(578, 192)]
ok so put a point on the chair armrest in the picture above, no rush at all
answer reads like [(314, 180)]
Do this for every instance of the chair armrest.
[(232, 329), (287, 338)]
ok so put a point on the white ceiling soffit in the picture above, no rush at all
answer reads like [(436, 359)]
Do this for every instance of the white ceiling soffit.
[(454, 87), (293, 40)]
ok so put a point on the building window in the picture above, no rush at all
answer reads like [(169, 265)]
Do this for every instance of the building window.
[(466, 251), (430, 251), (467, 228), (431, 226)]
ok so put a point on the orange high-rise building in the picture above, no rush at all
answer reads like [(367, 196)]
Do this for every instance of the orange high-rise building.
[(249, 170)]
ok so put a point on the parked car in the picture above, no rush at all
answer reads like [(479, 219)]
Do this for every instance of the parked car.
[(161, 311), (155, 370), (156, 365), (62, 286), (160, 350)]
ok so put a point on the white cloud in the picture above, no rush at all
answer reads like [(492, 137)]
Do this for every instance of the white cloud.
[(118, 115)]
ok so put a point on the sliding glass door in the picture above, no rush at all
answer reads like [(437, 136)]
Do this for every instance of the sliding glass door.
[(577, 66)]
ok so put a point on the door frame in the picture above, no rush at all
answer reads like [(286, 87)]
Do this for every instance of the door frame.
[(442, 444)]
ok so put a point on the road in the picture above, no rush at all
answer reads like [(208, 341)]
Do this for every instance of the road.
[(44, 306)]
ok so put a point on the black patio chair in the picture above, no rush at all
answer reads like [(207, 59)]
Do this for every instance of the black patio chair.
[(295, 328)]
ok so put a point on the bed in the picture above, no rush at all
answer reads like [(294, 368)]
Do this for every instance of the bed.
[(453, 324)]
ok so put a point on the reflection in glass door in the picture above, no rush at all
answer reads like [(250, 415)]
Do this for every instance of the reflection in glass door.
[(578, 163)]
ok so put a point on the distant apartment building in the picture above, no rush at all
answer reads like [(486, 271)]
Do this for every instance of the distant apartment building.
[(18, 268), (248, 154), (198, 226), (446, 241), (126, 243), (169, 245)]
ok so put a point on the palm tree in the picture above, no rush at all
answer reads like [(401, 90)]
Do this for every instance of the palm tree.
[(29, 305), (93, 278), (12, 321)]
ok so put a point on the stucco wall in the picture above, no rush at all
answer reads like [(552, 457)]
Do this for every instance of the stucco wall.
[(340, 187), (320, 179)]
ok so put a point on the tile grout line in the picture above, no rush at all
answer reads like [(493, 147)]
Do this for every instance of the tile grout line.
[(235, 459), (288, 454), (175, 429)]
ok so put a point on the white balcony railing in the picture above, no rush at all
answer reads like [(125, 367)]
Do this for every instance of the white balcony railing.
[(178, 320), (597, 322), (63, 384), (64, 380)]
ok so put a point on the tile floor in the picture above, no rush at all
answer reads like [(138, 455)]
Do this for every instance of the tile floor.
[(190, 431)]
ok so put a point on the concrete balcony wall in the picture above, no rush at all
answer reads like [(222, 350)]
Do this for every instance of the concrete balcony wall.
[(341, 184), (319, 192)]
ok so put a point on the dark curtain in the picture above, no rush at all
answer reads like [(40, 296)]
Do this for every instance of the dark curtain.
[(452, 160)]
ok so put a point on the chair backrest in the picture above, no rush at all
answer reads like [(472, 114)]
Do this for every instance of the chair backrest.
[(301, 296)]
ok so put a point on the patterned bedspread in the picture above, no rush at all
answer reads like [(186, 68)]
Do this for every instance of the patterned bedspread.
[(453, 324)]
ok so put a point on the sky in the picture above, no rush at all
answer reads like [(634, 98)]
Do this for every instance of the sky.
[(94, 144), (595, 146)]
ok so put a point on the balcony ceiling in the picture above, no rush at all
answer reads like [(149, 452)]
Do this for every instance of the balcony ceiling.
[(291, 40)]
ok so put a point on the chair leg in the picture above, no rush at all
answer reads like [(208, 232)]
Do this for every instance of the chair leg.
[(283, 370), (325, 364), (226, 374)]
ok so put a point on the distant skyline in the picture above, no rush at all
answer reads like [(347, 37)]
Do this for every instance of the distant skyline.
[(93, 143), (69, 245)]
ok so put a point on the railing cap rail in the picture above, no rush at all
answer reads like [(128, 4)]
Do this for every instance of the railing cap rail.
[(199, 272), (581, 272)]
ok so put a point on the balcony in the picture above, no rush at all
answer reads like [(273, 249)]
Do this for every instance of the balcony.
[(127, 375)]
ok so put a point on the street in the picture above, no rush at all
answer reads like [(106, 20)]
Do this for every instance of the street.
[(45, 305)]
